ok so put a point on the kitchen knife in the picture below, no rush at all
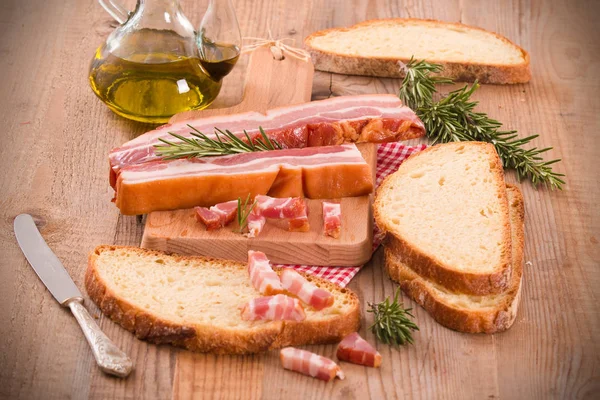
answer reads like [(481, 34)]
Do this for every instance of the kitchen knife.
[(48, 267)]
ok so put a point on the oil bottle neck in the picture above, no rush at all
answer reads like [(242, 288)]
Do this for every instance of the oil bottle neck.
[(161, 15), (159, 6)]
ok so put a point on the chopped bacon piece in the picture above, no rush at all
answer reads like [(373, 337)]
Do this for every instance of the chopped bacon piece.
[(227, 210), (273, 308), (332, 219), (256, 223), (357, 350), (344, 119), (210, 219), (289, 207), (263, 278), (299, 224), (218, 215), (299, 286), (310, 364), (292, 208)]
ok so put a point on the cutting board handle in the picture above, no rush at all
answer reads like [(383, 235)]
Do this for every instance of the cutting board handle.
[(269, 83)]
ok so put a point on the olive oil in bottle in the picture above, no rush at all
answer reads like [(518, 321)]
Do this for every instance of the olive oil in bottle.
[(219, 39), (218, 59), (149, 86)]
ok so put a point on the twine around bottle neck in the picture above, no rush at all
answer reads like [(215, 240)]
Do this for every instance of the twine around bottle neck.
[(277, 46)]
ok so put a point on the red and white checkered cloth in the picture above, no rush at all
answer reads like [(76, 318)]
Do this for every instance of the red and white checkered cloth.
[(389, 158)]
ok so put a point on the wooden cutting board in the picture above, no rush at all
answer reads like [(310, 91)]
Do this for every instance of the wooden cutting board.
[(271, 83)]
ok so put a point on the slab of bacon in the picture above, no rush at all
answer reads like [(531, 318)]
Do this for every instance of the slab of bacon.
[(310, 364), (218, 215), (273, 308), (332, 219), (314, 172), (263, 278), (356, 350), (300, 287), (366, 118)]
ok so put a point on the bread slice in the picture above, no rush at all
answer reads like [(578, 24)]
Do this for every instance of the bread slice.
[(374, 48), (445, 212), (192, 302), (472, 314)]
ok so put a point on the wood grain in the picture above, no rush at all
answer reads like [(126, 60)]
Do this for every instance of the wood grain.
[(56, 136)]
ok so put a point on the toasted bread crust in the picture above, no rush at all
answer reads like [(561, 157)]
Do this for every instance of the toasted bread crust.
[(428, 265), (388, 67), (457, 281), (485, 320), (213, 339)]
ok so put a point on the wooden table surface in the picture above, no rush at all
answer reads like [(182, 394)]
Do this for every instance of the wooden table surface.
[(56, 136)]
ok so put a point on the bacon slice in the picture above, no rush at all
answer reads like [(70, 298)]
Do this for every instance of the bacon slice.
[(263, 278), (300, 287), (273, 308), (325, 172), (256, 223), (310, 364), (281, 208), (357, 350), (332, 219), (218, 215), (346, 119)]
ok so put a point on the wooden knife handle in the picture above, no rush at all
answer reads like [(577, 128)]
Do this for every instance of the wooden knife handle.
[(108, 356)]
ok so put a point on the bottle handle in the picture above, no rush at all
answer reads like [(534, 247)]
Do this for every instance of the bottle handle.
[(115, 9)]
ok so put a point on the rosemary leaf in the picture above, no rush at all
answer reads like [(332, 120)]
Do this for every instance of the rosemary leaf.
[(453, 119), (392, 324), (200, 145), (243, 212)]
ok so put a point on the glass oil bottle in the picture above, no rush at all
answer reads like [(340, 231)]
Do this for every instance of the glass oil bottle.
[(149, 68)]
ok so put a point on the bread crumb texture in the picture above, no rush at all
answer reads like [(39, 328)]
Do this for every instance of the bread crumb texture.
[(423, 39), (195, 291)]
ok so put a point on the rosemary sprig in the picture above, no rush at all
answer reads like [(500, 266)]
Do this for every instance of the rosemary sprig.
[(453, 119), (392, 323), (418, 86), (200, 145), (243, 212)]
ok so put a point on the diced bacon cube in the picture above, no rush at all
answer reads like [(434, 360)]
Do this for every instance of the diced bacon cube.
[(332, 219), (299, 224), (210, 219), (217, 216), (256, 223), (280, 208)]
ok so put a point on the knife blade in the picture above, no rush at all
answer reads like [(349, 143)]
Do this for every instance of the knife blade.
[(44, 262), (53, 274)]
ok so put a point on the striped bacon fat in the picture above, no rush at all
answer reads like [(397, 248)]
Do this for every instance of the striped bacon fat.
[(300, 287), (357, 350), (273, 308), (263, 278), (310, 364)]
